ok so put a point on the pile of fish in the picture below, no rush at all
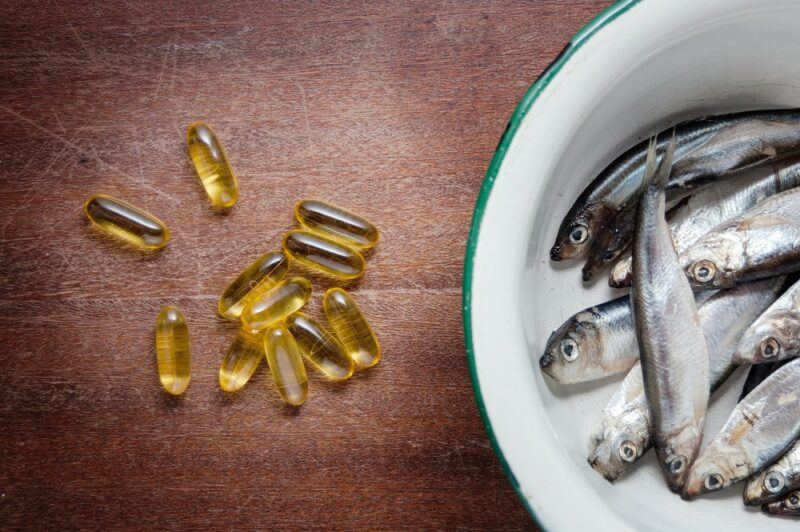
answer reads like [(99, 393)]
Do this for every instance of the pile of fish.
[(702, 222)]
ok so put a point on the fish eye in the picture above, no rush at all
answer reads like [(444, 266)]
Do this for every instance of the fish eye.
[(774, 482), (569, 350), (578, 234), (704, 271), (770, 348), (793, 501), (627, 451), (713, 482), (676, 464)]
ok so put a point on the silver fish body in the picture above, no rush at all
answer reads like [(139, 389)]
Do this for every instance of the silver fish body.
[(625, 429), (761, 428), (706, 149), (763, 241), (712, 205), (592, 344), (672, 347), (777, 480), (775, 335), (788, 507)]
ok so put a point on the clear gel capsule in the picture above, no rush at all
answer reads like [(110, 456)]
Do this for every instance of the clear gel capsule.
[(122, 220), (172, 350), (259, 277), (323, 254), (351, 328), (277, 303), (212, 166), (336, 223), (241, 361), (286, 365), (320, 347)]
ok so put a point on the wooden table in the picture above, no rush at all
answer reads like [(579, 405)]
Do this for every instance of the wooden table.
[(392, 109)]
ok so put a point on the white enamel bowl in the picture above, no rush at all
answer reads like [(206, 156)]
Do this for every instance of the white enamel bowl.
[(640, 66)]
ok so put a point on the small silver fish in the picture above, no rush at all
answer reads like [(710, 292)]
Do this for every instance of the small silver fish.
[(775, 335), (763, 241), (672, 347), (707, 149), (788, 507), (761, 428), (712, 205), (624, 432), (594, 343), (777, 480)]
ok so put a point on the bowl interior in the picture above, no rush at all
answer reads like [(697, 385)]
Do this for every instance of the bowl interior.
[(654, 64)]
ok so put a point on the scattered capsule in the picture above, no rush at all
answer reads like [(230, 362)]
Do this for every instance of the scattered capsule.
[(277, 303), (122, 220), (320, 347), (212, 166), (259, 277), (323, 254), (241, 361), (351, 328), (336, 223), (286, 366), (172, 350)]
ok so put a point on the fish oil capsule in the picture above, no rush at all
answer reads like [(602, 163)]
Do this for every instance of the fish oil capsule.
[(172, 350), (286, 366), (320, 347), (122, 220), (212, 166), (351, 328), (323, 254), (259, 277), (241, 361), (277, 303), (336, 223)]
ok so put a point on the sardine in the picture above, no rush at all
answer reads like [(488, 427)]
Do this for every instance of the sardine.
[(672, 347), (758, 373), (763, 241), (712, 205), (777, 480), (624, 432), (594, 343), (789, 507), (761, 137), (775, 335), (760, 429)]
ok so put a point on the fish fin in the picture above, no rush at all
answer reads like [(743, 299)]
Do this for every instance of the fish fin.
[(661, 179)]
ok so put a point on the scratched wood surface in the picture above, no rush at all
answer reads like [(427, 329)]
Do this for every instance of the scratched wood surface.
[(392, 109)]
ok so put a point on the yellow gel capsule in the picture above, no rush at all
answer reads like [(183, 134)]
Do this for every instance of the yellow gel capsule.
[(286, 365), (241, 361), (320, 347), (351, 328), (259, 277), (336, 223), (122, 220), (212, 165), (172, 350), (277, 303), (323, 254)]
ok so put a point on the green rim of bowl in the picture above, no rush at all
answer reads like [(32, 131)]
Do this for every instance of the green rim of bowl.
[(579, 39)]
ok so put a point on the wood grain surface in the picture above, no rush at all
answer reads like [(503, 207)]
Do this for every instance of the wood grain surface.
[(392, 109)]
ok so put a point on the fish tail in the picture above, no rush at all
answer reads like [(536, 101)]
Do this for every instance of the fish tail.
[(654, 174), (661, 179)]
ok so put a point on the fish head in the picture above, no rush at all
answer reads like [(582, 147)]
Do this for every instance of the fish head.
[(580, 226), (790, 505), (763, 487), (572, 348), (774, 336), (617, 444), (677, 453), (708, 265), (716, 468), (609, 243), (621, 275)]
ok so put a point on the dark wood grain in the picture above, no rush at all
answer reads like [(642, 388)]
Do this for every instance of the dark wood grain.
[(392, 109)]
